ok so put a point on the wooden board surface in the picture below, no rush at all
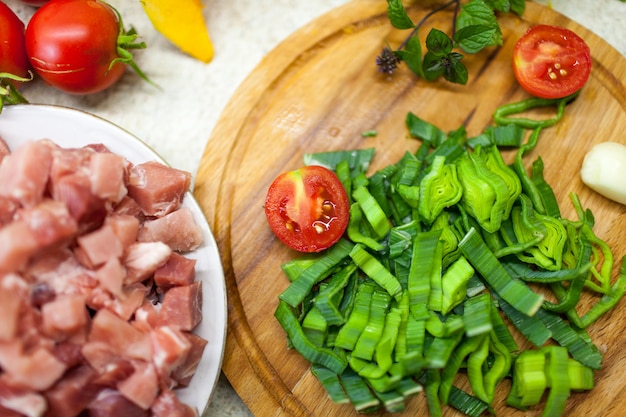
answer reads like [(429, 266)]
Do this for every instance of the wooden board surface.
[(317, 91)]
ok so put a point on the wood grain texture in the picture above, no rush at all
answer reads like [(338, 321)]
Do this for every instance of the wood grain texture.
[(317, 91)]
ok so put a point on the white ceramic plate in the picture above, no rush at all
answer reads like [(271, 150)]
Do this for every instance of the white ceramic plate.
[(73, 128)]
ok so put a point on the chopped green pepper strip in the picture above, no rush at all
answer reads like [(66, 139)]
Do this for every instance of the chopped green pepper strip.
[(499, 368), (529, 379), (326, 300), (454, 284), (609, 300), (423, 264), (357, 320), (484, 261), (502, 114), (558, 380), (330, 382), (475, 363), (369, 338), (314, 354), (375, 270), (528, 186), (439, 189), (354, 229), (372, 211), (465, 348), (298, 289), (477, 315), (546, 193)]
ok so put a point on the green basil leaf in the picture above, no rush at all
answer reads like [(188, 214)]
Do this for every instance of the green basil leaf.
[(474, 38), (518, 6), (412, 55), (438, 43), (499, 5), (477, 12), (397, 15), (433, 67), (454, 70)]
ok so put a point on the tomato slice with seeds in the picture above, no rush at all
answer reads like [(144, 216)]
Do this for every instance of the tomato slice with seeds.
[(551, 61), (308, 209)]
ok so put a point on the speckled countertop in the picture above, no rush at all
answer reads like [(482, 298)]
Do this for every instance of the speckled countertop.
[(177, 119)]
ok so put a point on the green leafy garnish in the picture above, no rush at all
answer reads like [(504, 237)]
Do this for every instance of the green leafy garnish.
[(474, 27)]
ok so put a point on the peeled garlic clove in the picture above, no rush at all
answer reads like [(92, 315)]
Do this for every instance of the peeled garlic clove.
[(604, 170)]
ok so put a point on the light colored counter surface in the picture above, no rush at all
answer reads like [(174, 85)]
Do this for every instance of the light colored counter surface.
[(177, 119)]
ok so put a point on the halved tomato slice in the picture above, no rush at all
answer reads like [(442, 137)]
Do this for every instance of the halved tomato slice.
[(308, 209), (551, 61)]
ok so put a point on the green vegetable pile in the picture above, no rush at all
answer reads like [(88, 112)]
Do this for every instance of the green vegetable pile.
[(456, 267)]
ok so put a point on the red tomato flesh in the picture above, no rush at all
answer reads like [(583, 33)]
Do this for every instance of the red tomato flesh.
[(308, 209), (551, 61)]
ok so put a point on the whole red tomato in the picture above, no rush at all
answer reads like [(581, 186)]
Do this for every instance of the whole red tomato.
[(13, 58), (73, 45)]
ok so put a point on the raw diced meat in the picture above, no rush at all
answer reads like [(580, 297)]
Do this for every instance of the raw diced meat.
[(17, 245), (49, 221), (182, 306), (64, 316), (62, 273), (68, 353), (129, 207), (8, 207), (142, 387), (24, 173), (178, 270), (74, 191), (125, 228), (169, 347), (157, 188), (4, 149), (168, 405), (131, 299), (123, 338), (37, 370), (73, 393), (110, 403), (111, 276), (115, 371), (101, 245), (185, 371), (146, 317), (26, 402), (99, 355), (13, 293), (177, 229), (107, 176), (143, 258)]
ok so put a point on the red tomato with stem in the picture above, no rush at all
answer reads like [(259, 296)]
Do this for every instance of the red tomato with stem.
[(308, 209), (78, 46), (13, 59), (551, 61)]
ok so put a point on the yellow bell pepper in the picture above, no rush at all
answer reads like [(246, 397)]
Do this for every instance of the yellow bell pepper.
[(183, 24)]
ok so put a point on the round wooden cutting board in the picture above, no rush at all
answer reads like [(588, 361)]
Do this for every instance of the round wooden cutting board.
[(318, 91)]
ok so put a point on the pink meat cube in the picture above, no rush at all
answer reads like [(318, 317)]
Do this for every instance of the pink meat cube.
[(170, 348), (24, 173), (107, 176), (157, 188), (101, 245), (26, 402), (178, 270), (168, 405), (49, 221), (110, 403), (13, 294), (182, 306), (177, 229), (17, 245), (111, 276), (185, 371), (4, 149), (142, 387), (125, 228), (38, 370), (120, 335), (75, 191), (73, 393), (143, 258), (8, 207), (64, 316), (131, 299)]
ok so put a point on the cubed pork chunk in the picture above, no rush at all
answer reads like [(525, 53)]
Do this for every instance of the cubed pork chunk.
[(142, 386), (50, 222), (143, 258), (110, 403), (14, 293), (72, 394), (186, 370), (182, 306), (177, 229), (8, 207), (4, 149), (74, 191), (125, 228), (26, 402), (24, 173), (131, 299), (37, 369), (157, 188), (107, 176), (111, 276), (17, 244), (170, 348), (178, 270), (65, 316), (168, 405), (101, 245), (123, 338)]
